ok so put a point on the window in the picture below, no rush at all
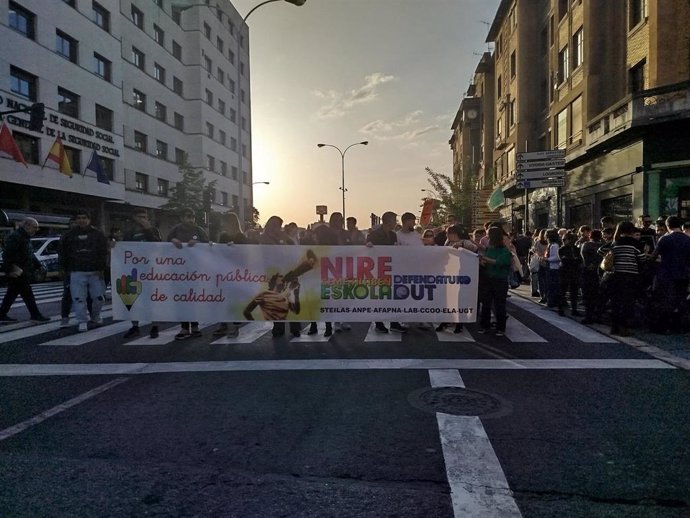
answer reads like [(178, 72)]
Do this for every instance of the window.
[(22, 20), (499, 88), (137, 17), (161, 150), (222, 137), (244, 123), (138, 58), (223, 168), (179, 121), (159, 73), (28, 145), (234, 173), (159, 3), (180, 156), (221, 106), (637, 11), (22, 83), (211, 163), (220, 75), (576, 121), (102, 67), (71, 3), (74, 157), (139, 100), (177, 85), (241, 95), (208, 64), (619, 208), (578, 48), (209, 97), (561, 129), (177, 50), (207, 31), (245, 175), (231, 85), (161, 111), (562, 8), (141, 182), (231, 56), (512, 114), (244, 154), (233, 115), (101, 16), (235, 201), (176, 14), (163, 187), (563, 65), (220, 44), (158, 35), (224, 199), (66, 46), (209, 130), (637, 77), (241, 68), (140, 141), (233, 143), (104, 118), (68, 103), (513, 65)]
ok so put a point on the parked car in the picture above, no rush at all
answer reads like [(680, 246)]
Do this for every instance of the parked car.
[(46, 254)]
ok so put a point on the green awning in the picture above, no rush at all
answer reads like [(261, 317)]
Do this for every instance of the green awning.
[(496, 199)]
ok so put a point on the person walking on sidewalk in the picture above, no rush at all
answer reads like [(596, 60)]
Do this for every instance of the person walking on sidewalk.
[(85, 256), (18, 259), (143, 231)]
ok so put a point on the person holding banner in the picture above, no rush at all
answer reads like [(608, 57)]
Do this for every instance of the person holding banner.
[(496, 260), (190, 233)]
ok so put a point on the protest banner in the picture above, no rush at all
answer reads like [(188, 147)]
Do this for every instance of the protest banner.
[(221, 283)]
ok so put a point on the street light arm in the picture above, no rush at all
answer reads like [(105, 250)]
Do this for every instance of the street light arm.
[(331, 145)]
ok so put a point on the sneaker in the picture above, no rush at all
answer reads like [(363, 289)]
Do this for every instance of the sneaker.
[(345, 327), (40, 319), (195, 332), (458, 328), (133, 331), (153, 333), (499, 332), (424, 326), (64, 322), (312, 329), (440, 327), (398, 328), (82, 327), (8, 320), (535, 294), (184, 334), (329, 329), (233, 332), (482, 331), (380, 328), (97, 321)]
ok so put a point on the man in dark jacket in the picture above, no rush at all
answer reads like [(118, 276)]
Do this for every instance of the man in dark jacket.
[(18, 262), (142, 230), (385, 235), (187, 232), (85, 256)]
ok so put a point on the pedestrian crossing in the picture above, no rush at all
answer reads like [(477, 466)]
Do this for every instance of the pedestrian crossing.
[(43, 293)]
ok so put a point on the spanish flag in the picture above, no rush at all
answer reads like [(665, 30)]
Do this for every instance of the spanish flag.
[(9, 146), (58, 155)]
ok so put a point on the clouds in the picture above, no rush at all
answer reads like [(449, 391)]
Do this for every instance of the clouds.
[(408, 128), (338, 104)]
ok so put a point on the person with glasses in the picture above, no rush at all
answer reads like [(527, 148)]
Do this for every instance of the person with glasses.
[(18, 263)]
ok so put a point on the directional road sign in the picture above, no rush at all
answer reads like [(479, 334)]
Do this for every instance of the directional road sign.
[(536, 184), (541, 164), (540, 173), (541, 155)]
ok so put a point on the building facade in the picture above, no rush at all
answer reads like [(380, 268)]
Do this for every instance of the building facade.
[(143, 84), (608, 82)]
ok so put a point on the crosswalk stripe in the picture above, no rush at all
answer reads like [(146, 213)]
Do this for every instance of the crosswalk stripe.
[(567, 325), (248, 334), (39, 329), (318, 337), (165, 336), (448, 335), (516, 331), (374, 336), (44, 296), (89, 336)]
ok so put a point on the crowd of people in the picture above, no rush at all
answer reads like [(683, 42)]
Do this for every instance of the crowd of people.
[(619, 273)]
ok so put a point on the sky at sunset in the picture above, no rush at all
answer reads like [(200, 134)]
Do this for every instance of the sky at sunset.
[(392, 72)]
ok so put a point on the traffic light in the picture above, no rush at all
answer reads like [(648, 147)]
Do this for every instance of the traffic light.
[(36, 116)]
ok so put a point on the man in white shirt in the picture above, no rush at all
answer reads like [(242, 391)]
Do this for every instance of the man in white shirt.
[(407, 235)]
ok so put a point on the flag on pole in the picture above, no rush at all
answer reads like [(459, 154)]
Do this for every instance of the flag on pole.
[(95, 166), (58, 155), (496, 199), (9, 146), (427, 210)]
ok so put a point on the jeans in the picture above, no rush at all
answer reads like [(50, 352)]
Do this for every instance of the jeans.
[(494, 295), (83, 284), (19, 286)]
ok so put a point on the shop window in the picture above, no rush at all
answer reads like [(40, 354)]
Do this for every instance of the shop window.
[(619, 208)]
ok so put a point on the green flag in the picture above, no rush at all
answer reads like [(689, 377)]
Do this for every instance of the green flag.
[(496, 199)]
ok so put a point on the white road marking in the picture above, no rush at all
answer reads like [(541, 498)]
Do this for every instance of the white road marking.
[(318, 337), (92, 335), (248, 334), (448, 335), (478, 486), (567, 325), (516, 331), (38, 329), (20, 427), (165, 336), (374, 336), (82, 369)]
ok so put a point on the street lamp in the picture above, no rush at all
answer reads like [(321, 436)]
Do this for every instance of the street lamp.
[(238, 84), (342, 156)]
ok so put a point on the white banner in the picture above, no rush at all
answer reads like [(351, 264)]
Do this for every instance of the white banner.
[(233, 283)]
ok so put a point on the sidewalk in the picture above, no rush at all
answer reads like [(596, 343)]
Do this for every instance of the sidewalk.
[(674, 349)]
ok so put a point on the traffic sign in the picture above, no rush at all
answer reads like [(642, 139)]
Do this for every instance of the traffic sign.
[(536, 184), (541, 155), (541, 173), (541, 164)]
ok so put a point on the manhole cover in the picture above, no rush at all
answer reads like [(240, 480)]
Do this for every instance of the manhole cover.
[(458, 401)]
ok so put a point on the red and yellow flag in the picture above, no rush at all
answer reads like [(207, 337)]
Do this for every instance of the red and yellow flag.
[(58, 155), (9, 146)]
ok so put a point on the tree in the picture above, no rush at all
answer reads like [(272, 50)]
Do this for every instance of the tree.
[(451, 197), (190, 191)]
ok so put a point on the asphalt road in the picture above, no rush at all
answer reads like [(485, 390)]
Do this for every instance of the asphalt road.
[(572, 423)]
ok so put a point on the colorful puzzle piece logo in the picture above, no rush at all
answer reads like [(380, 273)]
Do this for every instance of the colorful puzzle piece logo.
[(128, 288)]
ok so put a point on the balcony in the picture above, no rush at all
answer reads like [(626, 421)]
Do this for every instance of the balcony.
[(501, 142), (641, 109)]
